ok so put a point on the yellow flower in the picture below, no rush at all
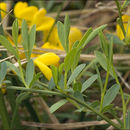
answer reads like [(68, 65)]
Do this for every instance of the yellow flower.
[(44, 60), (33, 16), (3, 6), (75, 34), (125, 19), (54, 42)]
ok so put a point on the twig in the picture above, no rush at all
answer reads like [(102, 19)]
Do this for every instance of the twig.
[(66, 125)]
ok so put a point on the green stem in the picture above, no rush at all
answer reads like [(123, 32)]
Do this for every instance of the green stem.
[(65, 81), (120, 16), (122, 97), (3, 113), (65, 96), (20, 67), (104, 90), (93, 110), (45, 92)]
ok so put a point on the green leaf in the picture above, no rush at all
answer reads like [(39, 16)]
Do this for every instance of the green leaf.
[(15, 30), (77, 86), (128, 121), (75, 44), (107, 108), (84, 38), (111, 51), (68, 61), (104, 43), (5, 119), (75, 73), (91, 35), (12, 67), (32, 38), (51, 84), (111, 94), (89, 82), (57, 105), (78, 95), (116, 40), (29, 72), (35, 78), (3, 71), (25, 38), (7, 45), (102, 61), (76, 60), (67, 30), (55, 73), (61, 33)]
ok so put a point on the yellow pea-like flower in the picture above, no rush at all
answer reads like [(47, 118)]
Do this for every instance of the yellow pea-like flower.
[(3, 6), (19, 7), (44, 69), (48, 45), (33, 16), (125, 19), (44, 60), (75, 34)]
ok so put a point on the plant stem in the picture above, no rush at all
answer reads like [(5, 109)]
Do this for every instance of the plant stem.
[(104, 90), (93, 110), (66, 96), (3, 113), (120, 16), (65, 81), (20, 67), (45, 92), (122, 97)]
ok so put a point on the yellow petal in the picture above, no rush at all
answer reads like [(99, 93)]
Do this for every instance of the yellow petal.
[(3, 6), (48, 58), (125, 19), (53, 38), (3, 90), (38, 16), (44, 69), (20, 6), (48, 45), (46, 23), (28, 13), (75, 34)]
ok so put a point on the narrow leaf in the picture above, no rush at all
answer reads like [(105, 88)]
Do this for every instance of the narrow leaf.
[(29, 72), (25, 41), (3, 70), (61, 33), (15, 29), (75, 73), (57, 105), (111, 94), (67, 30), (89, 82), (128, 121), (32, 38), (102, 61), (55, 73), (84, 38), (68, 61), (7, 45), (12, 67)]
